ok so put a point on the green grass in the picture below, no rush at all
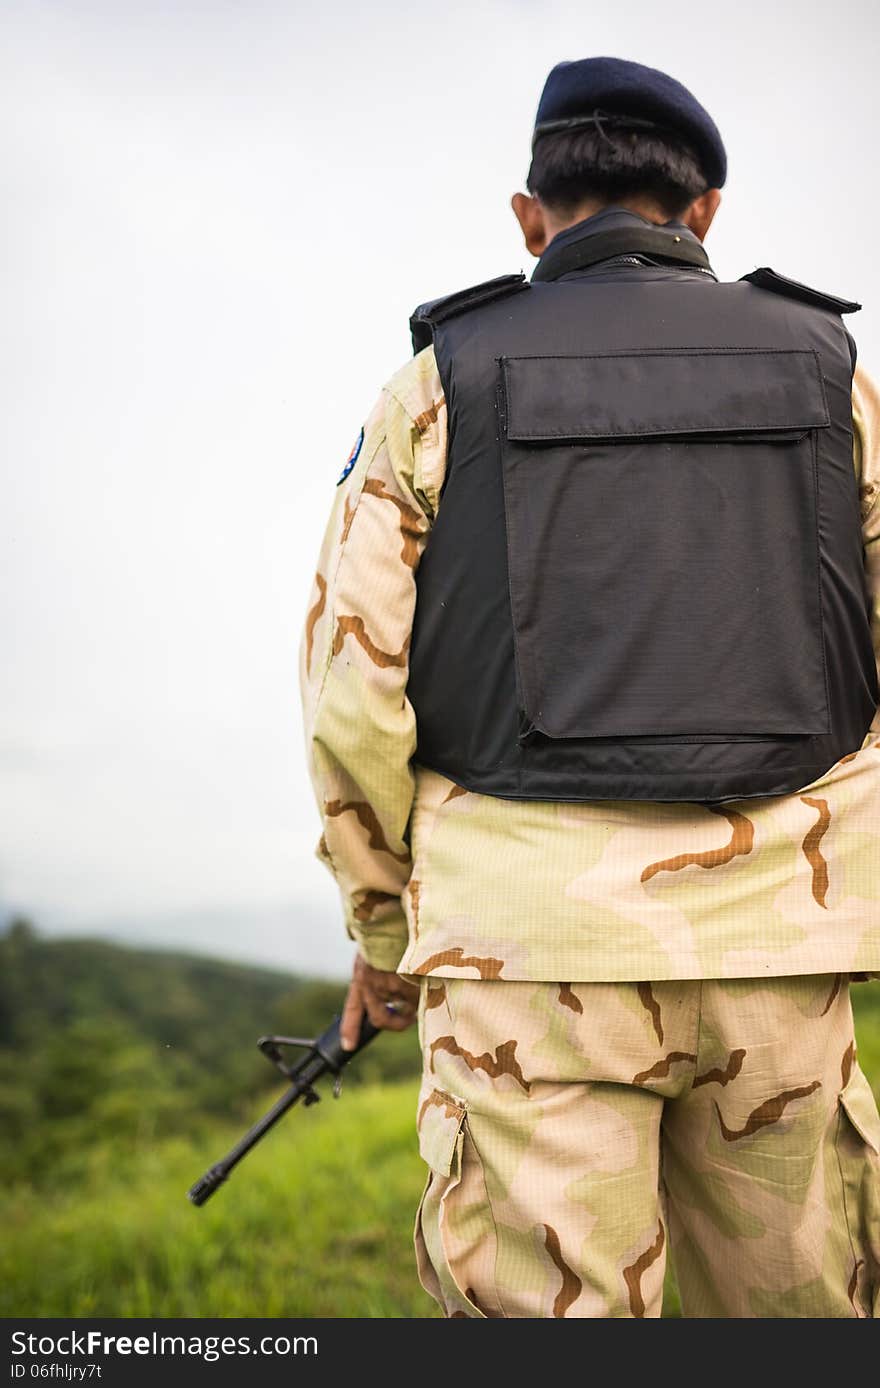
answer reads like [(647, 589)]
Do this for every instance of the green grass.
[(316, 1222), (866, 1009)]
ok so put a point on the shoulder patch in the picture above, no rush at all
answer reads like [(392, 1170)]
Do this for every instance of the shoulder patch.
[(352, 457), (765, 278), (426, 316)]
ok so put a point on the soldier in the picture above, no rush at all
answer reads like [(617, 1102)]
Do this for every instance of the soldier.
[(589, 675)]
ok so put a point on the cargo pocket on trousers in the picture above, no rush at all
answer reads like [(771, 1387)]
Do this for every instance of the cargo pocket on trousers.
[(454, 1233), (858, 1154)]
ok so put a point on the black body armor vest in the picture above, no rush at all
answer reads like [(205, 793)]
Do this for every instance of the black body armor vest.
[(645, 580)]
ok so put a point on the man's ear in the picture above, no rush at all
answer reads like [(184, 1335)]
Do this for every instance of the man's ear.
[(530, 215), (701, 211)]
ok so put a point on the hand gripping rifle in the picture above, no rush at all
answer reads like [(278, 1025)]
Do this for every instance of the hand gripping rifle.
[(325, 1054)]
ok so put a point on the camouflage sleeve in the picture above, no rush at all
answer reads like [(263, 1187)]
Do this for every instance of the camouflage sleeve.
[(866, 436), (354, 657)]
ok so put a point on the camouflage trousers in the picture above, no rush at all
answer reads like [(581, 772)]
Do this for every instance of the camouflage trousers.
[(574, 1132)]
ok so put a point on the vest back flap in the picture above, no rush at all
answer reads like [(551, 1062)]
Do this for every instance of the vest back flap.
[(656, 392), (662, 543)]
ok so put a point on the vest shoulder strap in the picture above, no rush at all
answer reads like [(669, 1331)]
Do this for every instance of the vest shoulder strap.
[(765, 278), (427, 316)]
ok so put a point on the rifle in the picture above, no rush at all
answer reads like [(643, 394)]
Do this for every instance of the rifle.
[(325, 1054)]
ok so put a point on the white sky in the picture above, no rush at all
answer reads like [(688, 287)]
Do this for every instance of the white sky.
[(217, 220)]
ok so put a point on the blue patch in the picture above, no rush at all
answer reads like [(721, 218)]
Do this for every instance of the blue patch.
[(352, 457)]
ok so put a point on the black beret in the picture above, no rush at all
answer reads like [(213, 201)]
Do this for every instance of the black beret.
[(575, 93)]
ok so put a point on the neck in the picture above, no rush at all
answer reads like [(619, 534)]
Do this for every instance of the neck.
[(559, 221), (616, 231)]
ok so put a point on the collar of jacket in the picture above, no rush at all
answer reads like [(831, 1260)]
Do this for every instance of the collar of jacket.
[(618, 231)]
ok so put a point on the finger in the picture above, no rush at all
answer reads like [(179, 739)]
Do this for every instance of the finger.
[(352, 1012), (404, 992), (389, 1014), (383, 1017), (376, 1011), (391, 986), (398, 1021)]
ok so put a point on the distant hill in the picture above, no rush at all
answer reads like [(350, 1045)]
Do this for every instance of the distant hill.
[(97, 1039), (167, 996)]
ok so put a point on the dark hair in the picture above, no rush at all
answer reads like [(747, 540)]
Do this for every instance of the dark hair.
[(571, 166)]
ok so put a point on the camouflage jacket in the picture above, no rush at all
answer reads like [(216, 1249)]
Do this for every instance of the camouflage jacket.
[(438, 880)]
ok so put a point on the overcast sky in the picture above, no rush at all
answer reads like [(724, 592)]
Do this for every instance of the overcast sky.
[(217, 220)]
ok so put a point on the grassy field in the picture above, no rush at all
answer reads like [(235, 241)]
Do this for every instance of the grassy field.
[(316, 1222)]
